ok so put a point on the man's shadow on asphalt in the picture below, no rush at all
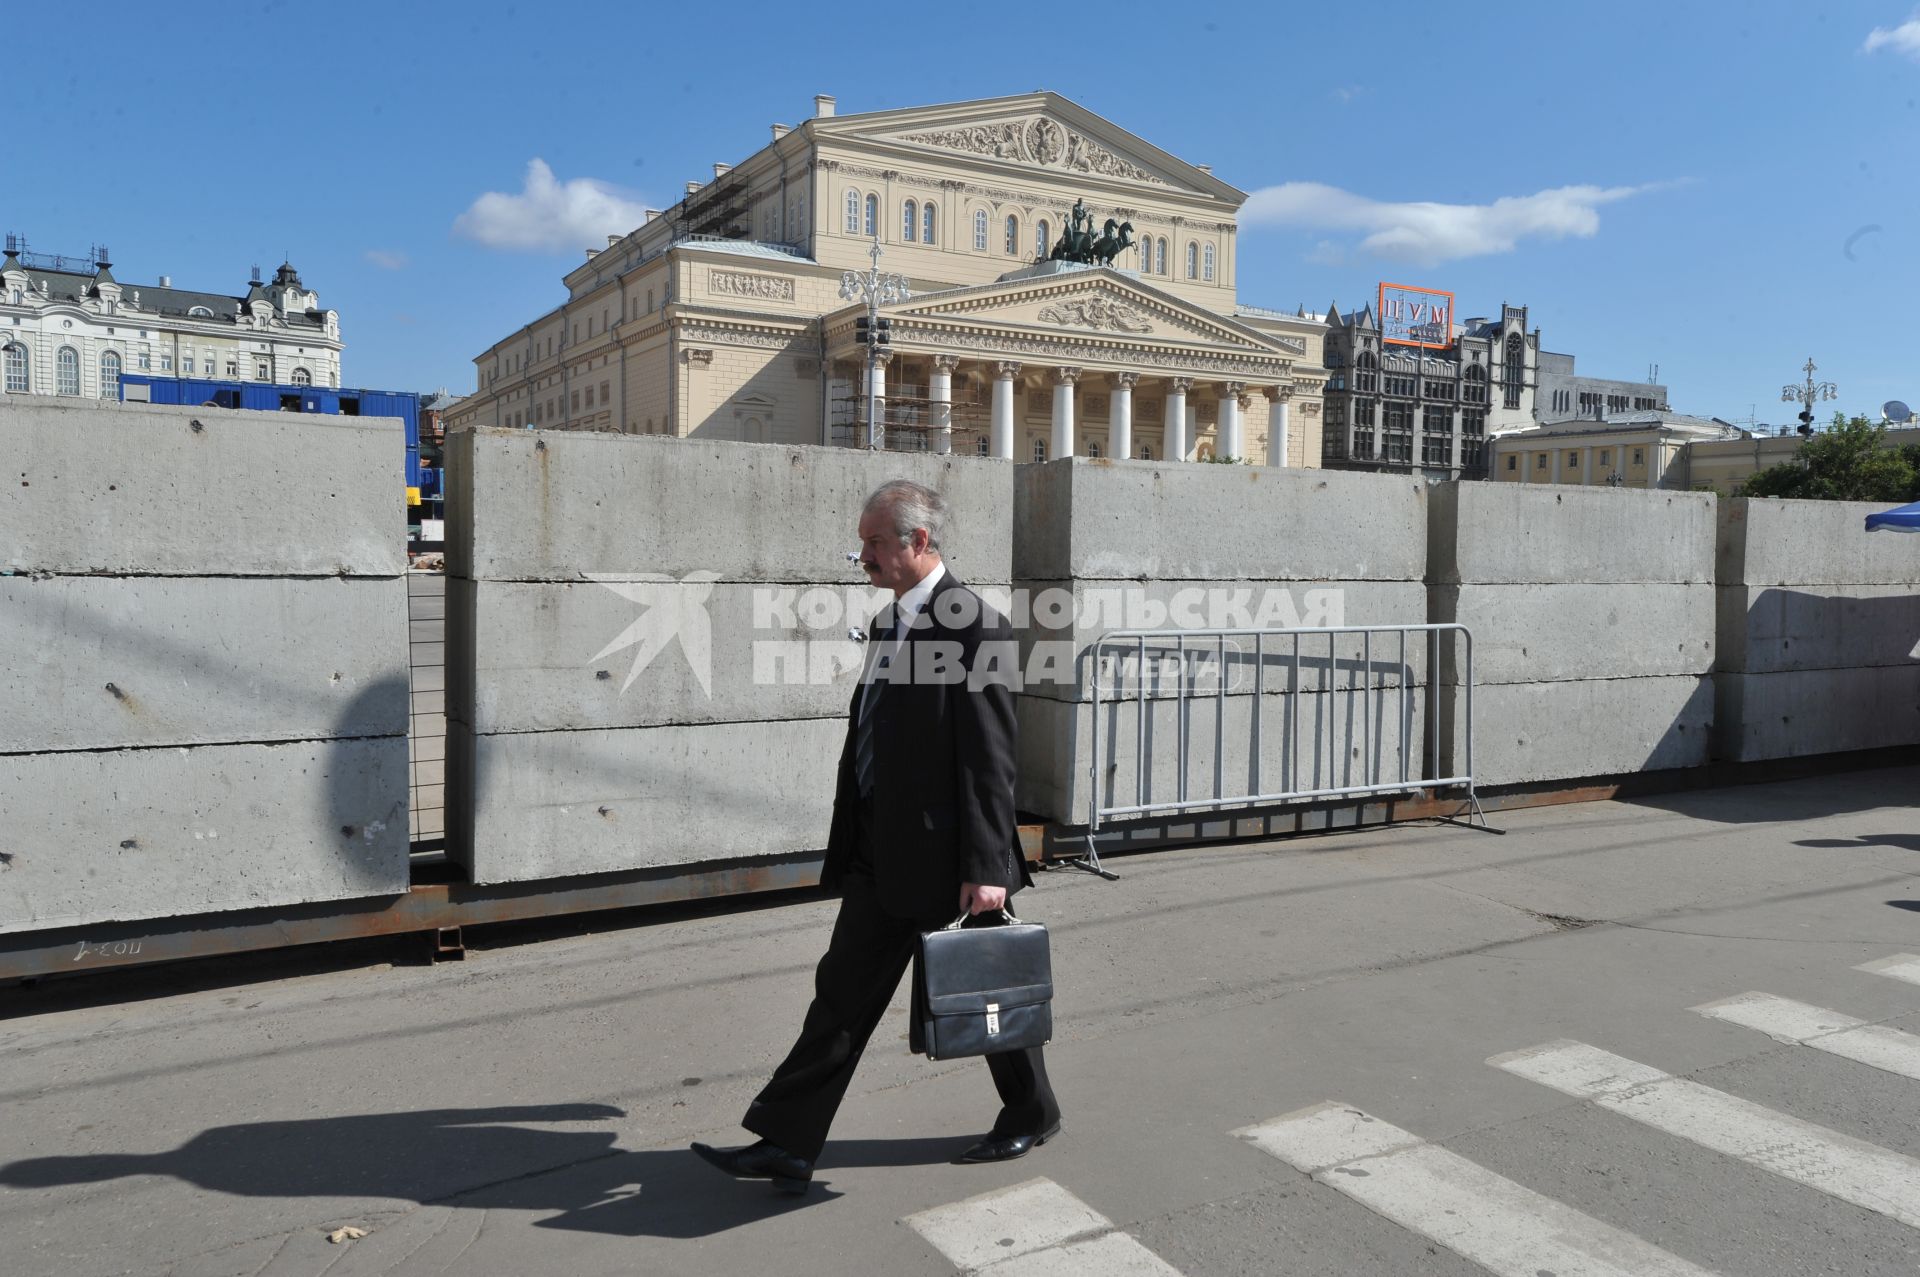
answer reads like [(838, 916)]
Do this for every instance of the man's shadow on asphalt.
[(479, 1159)]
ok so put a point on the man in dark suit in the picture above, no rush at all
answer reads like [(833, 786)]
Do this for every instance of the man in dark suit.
[(923, 828)]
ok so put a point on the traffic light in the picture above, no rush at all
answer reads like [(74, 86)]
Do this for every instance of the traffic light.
[(1806, 422), (862, 330), (883, 334)]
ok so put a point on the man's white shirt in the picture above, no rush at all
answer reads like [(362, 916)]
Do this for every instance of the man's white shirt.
[(906, 610)]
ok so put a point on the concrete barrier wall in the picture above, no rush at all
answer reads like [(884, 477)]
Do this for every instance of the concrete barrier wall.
[(1592, 613), (648, 660), (1818, 623), (1146, 545), (204, 706)]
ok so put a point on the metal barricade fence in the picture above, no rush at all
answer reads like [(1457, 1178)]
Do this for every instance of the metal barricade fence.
[(1338, 745)]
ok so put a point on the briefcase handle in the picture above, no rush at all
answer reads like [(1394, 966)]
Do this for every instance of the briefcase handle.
[(957, 923)]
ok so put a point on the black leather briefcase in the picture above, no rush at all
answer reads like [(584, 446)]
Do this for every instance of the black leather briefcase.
[(982, 990)]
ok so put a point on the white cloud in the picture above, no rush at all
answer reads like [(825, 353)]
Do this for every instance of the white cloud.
[(1904, 38), (549, 215), (1328, 253), (1426, 233), (385, 260)]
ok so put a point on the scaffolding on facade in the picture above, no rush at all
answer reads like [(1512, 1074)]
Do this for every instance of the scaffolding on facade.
[(907, 420)]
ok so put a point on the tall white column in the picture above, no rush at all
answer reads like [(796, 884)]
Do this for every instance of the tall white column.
[(877, 426), (1228, 444), (1277, 438), (1176, 438), (1003, 375), (940, 390), (1063, 379), (1120, 437)]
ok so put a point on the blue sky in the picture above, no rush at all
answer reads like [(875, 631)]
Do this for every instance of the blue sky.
[(1719, 189)]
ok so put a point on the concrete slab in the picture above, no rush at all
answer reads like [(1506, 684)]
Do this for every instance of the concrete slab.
[(105, 487), (533, 505), (1086, 519), (1767, 629), (1486, 533), (1776, 541), (1794, 713), (554, 804), (1588, 727), (1533, 633), (153, 833), (105, 662), (739, 652)]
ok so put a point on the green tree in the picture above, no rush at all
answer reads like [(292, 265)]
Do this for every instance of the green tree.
[(1849, 461)]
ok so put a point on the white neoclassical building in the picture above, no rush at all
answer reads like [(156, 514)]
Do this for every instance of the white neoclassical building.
[(723, 316), (68, 327)]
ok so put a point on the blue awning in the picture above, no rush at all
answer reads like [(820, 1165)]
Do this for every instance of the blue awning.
[(1904, 518)]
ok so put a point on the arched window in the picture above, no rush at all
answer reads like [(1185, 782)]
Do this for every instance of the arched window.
[(301, 377), (926, 223), (18, 378), (199, 312), (1515, 371), (1039, 449), (1160, 256), (873, 215), (853, 215), (909, 221), (981, 445), (1207, 270), (110, 375), (980, 230), (1042, 238), (1013, 235), (1093, 449), (1193, 260), (66, 371), (1146, 452), (1146, 255)]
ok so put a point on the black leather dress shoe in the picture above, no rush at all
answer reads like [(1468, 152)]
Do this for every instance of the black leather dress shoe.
[(789, 1172), (1004, 1148)]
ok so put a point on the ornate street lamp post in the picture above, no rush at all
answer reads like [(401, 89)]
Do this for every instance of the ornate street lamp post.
[(1806, 394), (875, 288)]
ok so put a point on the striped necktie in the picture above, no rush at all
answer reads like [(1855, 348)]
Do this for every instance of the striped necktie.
[(869, 698)]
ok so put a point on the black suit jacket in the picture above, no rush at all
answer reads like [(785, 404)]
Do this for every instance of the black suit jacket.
[(943, 764)]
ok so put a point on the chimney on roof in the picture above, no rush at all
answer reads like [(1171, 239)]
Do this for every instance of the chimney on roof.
[(693, 188), (1204, 168), (166, 281), (721, 170), (652, 213), (780, 131), (823, 105), (612, 240)]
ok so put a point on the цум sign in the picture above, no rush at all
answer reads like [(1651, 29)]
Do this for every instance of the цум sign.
[(1412, 316)]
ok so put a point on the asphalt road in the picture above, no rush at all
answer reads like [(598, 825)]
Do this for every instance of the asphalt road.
[(1413, 1050)]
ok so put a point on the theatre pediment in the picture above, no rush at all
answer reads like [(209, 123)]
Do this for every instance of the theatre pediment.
[(1099, 303)]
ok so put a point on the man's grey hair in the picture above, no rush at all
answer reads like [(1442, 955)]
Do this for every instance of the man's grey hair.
[(910, 505)]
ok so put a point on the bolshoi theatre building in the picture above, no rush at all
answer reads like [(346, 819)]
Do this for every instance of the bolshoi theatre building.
[(730, 316)]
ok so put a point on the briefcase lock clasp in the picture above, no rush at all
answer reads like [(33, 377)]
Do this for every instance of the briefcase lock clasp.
[(993, 1018)]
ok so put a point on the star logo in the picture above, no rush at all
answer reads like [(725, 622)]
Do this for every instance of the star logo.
[(673, 609)]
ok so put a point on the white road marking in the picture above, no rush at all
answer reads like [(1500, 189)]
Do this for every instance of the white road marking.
[(1838, 1165), (1035, 1229), (1785, 1020), (1502, 1226), (1901, 966)]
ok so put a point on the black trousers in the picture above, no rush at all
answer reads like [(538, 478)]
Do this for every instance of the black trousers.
[(869, 952)]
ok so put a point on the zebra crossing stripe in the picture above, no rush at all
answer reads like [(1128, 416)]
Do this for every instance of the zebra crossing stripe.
[(1035, 1229), (1901, 966), (1504, 1227), (1785, 1020), (1838, 1165)]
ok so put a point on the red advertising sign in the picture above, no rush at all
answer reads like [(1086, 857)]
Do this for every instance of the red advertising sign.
[(1412, 316)]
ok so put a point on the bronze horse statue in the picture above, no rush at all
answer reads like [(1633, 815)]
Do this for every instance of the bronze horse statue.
[(1110, 245)]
